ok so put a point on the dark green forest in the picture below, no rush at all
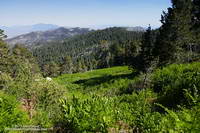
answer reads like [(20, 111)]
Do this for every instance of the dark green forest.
[(110, 80), (98, 49)]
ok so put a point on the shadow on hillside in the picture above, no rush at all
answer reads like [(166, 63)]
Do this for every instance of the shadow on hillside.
[(103, 79)]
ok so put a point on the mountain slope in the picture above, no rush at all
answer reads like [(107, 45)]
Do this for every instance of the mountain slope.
[(39, 37), (83, 46)]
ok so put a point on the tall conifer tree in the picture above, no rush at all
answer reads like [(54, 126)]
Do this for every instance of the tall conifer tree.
[(147, 50), (196, 19), (175, 32)]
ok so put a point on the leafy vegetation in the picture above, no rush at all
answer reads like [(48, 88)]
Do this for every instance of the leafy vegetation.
[(173, 82), (102, 113), (21, 82), (157, 92), (137, 111), (10, 112)]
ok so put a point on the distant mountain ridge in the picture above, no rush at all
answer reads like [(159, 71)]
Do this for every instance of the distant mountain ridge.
[(137, 28), (59, 34), (14, 31), (40, 37)]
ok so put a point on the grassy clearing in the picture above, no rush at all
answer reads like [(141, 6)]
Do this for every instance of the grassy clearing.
[(105, 82)]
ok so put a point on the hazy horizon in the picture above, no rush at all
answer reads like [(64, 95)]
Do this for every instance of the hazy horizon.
[(65, 26)]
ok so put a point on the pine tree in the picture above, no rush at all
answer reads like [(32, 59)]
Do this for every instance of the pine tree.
[(119, 53), (23, 55), (79, 66), (132, 50), (196, 11), (196, 19), (142, 57), (5, 58), (67, 66), (104, 55), (52, 69), (2, 35), (147, 50), (175, 32)]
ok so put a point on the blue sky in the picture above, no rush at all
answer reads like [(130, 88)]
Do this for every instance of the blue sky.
[(83, 13)]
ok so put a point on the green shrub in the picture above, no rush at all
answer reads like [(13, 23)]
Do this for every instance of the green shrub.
[(134, 86), (90, 115), (5, 81), (10, 113), (172, 81), (46, 95), (100, 114), (43, 118), (184, 121)]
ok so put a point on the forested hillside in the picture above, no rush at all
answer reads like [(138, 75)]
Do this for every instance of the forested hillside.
[(98, 49)]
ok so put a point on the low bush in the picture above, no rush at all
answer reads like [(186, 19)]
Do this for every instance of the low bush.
[(100, 114), (10, 112), (5, 81), (173, 81), (183, 121), (46, 95), (90, 115)]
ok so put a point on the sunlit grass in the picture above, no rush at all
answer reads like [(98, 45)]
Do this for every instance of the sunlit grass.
[(102, 81)]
